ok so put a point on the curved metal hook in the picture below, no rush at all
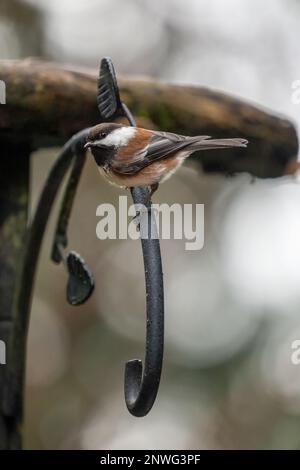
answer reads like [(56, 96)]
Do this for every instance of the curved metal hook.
[(128, 115), (25, 281), (60, 237), (81, 281), (141, 386)]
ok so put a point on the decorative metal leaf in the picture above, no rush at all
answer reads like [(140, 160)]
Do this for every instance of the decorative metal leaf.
[(81, 282), (108, 97)]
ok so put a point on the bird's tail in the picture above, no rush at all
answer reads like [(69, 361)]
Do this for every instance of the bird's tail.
[(207, 143)]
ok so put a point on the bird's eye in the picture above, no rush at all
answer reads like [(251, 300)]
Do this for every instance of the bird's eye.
[(102, 135)]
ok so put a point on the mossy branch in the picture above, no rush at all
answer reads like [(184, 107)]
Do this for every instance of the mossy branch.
[(47, 103)]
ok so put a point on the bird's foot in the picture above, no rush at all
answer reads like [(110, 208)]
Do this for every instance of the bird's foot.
[(140, 214), (153, 188), (145, 207)]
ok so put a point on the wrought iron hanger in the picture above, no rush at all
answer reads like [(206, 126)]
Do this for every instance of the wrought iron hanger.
[(81, 282), (141, 384)]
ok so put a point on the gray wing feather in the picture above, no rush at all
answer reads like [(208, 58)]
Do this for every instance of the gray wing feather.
[(164, 144)]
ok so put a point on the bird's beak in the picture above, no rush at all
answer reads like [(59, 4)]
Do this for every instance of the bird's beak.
[(90, 144)]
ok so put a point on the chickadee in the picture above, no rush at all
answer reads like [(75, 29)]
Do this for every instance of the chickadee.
[(131, 156)]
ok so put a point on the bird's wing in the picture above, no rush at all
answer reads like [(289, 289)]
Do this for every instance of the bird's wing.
[(161, 145)]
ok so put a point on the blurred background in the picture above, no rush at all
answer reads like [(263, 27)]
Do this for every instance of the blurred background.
[(232, 309)]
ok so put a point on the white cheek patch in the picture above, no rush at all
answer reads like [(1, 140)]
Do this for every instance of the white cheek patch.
[(118, 137)]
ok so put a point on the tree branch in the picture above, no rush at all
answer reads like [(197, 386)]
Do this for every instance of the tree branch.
[(50, 103)]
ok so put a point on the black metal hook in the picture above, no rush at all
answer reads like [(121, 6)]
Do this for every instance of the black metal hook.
[(21, 307), (81, 281), (141, 386)]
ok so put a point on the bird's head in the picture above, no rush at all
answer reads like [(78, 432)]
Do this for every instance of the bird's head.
[(105, 139)]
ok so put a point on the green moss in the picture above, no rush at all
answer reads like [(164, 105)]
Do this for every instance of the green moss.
[(144, 113), (162, 118)]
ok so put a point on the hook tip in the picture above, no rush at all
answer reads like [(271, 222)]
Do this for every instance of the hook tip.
[(133, 380)]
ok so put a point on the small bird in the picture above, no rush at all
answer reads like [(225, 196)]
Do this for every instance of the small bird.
[(131, 156)]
